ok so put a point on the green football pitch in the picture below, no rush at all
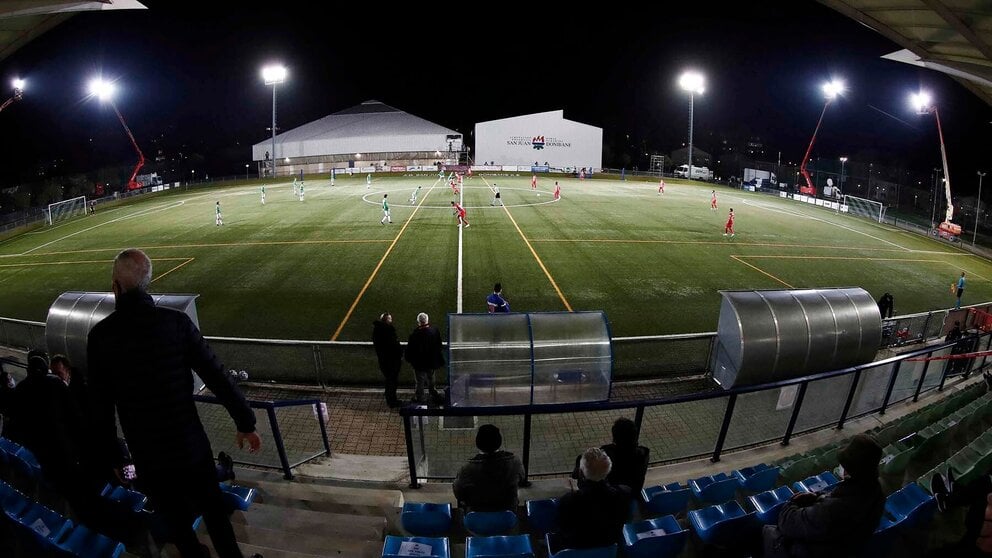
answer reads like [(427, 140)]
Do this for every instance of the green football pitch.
[(325, 267)]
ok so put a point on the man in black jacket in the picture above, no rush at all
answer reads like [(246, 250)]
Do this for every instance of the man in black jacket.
[(834, 523), (390, 354), (139, 364), (489, 481), (424, 353)]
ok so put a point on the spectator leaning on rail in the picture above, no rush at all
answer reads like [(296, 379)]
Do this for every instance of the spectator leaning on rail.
[(592, 516), (489, 481), (837, 522), (140, 361)]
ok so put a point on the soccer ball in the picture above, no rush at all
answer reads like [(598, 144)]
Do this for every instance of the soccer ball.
[(538, 194)]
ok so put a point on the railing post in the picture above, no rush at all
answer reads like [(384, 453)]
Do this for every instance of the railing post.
[(926, 327), (923, 377), (318, 364), (411, 460), (323, 427), (638, 420), (850, 399), (891, 386), (277, 438), (731, 401), (797, 406), (526, 456), (984, 358), (943, 374)]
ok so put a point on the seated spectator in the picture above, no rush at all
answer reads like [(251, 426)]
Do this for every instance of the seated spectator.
[(593, 515), (630, 461), (836, 522), (489, 481)]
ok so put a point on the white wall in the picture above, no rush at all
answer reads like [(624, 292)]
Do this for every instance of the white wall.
[(510, 141)]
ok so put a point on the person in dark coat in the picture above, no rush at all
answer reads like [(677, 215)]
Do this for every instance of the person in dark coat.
[(885, 306), (592, 516), (424, 353), (489, 481), (630, 461), (837, 522), (390, 354), (140, 363)]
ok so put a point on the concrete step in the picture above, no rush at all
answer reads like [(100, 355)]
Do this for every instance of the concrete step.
[(322, 497), (310, 545), (336, 525)]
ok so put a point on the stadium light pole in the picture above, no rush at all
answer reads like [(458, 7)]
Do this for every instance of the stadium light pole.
[(18, 84), (830, 90), (693, 83), (978, 207), (274, 75), (104, 91), (924, 105), (843, 161)]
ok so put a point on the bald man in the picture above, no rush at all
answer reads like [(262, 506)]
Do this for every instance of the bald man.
[(140, 361)]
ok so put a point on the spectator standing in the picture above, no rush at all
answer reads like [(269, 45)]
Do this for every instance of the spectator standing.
[(389, 353), (489, 481), (424, 353), (496, 303), (140, 362), (592, 516), (885, 306), (834, 523), (960, 291)]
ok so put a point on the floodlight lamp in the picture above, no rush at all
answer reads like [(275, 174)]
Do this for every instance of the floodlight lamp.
[(833, 88), (691, 82), (843, 159), (18, 84), (286, 159), (274, 74), (921, 102), (103, 90)]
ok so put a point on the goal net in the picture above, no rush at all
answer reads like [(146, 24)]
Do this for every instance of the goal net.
[(863, 208), (65, 210)]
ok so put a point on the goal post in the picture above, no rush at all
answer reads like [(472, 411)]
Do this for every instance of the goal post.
[(863, 208), (66, 209)]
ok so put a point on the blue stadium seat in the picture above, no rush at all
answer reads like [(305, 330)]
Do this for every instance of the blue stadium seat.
[(723, 525), (428, 547), (7, 450), (542, 515), (490, 523), (12, 502), (672, 498), (759, 478), (513, 546), (881, 541), (717, 488), (816, 483), (237, 497), (26, 464), (84, 543), (910, 506), (133, 501), (46, 526), (426, 520), (767, 504), (597, 552), (655, 538)]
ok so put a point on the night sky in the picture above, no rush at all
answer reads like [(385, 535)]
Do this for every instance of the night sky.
[(189, 80)]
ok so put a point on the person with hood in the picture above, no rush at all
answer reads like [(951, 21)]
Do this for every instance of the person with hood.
[(489, 481), (835, 522), (390, 354)]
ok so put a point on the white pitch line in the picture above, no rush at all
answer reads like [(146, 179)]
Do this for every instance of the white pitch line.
[(804, 215), (458, 303)]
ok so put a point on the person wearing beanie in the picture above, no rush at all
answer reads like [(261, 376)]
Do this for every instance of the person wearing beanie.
[(837, 521), (592, 516), (489, 481)]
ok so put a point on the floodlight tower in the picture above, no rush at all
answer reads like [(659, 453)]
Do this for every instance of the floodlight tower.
[(923, 104), (104, 91), (274, 75), (830, 91), (18, 84), (693, 83)]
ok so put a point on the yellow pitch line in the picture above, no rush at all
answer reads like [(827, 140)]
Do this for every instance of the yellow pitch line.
[(171, 270), (536, 257), (379, 265), (35, 264), (783, 257), (763, 272)]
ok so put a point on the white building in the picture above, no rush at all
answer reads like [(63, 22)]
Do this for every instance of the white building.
[(371, 134), (541, 137)]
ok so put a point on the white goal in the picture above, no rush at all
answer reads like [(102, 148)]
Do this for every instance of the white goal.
[(65, 210), (863, 208)]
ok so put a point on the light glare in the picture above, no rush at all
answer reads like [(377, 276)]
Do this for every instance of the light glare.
[(103, 90), (921, 101), (18, 84), (692, 82), (833, 88), (274, 74)]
